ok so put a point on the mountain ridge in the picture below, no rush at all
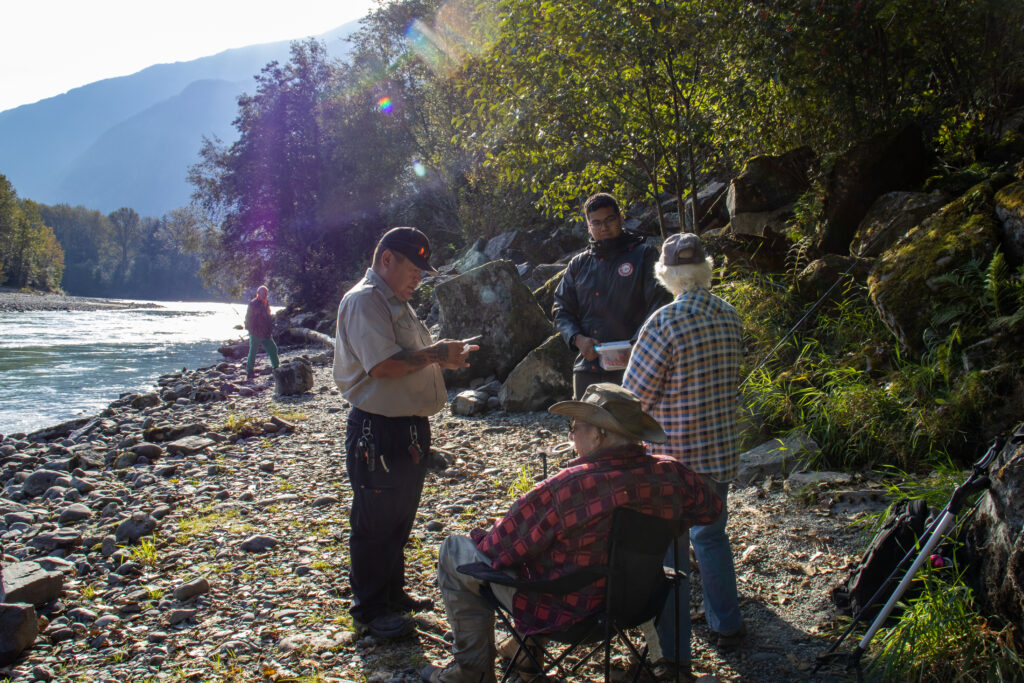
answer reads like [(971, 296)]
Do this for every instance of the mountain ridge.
[(67, 148)]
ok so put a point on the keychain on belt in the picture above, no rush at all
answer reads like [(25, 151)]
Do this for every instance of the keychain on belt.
[(366, 448), (414, 445)]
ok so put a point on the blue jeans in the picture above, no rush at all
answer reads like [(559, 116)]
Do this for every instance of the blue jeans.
[(717, 577)]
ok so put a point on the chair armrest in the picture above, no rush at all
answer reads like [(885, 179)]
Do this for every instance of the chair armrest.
[(565, 584), (485, 572)]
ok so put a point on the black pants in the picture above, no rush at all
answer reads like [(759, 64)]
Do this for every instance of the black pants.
[(384, 503), (581, 379)]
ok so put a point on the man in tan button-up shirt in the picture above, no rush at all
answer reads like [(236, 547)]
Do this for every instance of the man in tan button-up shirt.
[(387, 367)]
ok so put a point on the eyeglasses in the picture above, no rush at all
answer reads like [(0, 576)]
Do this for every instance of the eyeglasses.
[(609, 222)]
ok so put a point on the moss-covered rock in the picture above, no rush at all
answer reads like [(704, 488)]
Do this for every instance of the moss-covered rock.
[(545, 294), (901, 285), (1010, 209)]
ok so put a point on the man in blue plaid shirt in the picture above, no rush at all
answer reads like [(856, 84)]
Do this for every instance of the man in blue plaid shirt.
[(685, 370)]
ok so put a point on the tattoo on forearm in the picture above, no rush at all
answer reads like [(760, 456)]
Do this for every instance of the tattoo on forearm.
[(422, 357)]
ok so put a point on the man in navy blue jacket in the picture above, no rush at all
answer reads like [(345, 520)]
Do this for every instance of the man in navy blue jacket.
[(606, 292)]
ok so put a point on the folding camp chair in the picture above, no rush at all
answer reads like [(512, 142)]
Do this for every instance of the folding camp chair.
[(636, 587)]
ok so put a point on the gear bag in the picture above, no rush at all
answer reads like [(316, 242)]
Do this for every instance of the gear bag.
[(899, 534)]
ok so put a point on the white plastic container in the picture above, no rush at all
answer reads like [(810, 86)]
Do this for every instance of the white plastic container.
[(613, 355)]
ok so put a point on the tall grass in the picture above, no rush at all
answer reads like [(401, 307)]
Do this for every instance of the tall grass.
[(941, 637)]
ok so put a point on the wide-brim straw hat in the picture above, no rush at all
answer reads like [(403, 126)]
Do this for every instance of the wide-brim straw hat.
[(615, 409)]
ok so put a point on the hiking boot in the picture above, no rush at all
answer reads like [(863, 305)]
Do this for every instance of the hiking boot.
[(407, 602), (522, 665), (388, 625), (730, 640), (456, 673)]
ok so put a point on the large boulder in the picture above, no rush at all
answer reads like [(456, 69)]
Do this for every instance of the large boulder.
[(18, 630), (994, 543), (30, 582), (293, 377), (540, 379), (890, 218), (902, 283), (766, 188), (531, 246), (491, 301), (886, 162), (1010, 209), (821, 276)]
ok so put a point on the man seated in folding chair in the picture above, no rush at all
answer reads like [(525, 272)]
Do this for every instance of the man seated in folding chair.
[(562, 526)]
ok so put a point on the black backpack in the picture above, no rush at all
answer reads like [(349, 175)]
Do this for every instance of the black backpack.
[(899, 534)]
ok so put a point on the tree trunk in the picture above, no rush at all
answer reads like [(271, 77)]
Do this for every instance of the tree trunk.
[(994, 542)]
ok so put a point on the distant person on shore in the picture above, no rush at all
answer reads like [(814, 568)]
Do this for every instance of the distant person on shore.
[(685, 368), (606, 292), (562, 526), (389, 369), (261, 331)]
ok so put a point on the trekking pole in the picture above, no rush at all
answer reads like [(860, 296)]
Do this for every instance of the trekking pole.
[(977, 481)]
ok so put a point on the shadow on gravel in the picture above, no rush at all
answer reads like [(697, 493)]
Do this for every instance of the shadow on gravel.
[(773, 650)]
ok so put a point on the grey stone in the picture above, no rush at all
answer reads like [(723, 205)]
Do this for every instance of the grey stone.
[(148, 450), (324, 500), (41, 480), (776, 457), (189, 445), (18, 630), (467, 403), (293, 377), (29, 582), (135, 527), (258, 543), (125, 459), (74, 513), (543, 377), (81, 615), (61, 538), (176, 616), (191, 589)]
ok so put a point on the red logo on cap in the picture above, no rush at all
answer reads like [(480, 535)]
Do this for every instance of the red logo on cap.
[(626, 269)]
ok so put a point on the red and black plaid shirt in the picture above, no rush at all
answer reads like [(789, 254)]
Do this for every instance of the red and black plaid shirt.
[(562, 525)]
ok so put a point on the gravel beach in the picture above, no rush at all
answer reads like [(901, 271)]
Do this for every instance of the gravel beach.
[(222, 555), (13, 300)]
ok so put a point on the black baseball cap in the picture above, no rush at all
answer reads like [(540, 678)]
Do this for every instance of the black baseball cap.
[(410, 243)]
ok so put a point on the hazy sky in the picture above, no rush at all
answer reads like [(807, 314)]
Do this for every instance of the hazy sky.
[(48, 47)]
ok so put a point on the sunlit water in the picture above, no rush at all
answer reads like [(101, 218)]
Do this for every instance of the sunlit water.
[(58, 365)]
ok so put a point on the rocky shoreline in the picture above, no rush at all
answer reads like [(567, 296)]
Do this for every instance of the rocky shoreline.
[(17, 301), (199, 532)]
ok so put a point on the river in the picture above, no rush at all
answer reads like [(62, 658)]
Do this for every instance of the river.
[(59, 365)]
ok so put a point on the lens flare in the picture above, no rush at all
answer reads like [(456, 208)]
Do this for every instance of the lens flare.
[(461, 29), (487, 296), (384, 104), (418, 169)]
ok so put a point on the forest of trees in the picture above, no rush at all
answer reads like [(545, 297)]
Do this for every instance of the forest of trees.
[(468, 118), (83, 252), (30, 255), (472, 117)]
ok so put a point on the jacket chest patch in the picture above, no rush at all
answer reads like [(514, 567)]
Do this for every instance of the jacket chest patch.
[(626, 269)]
